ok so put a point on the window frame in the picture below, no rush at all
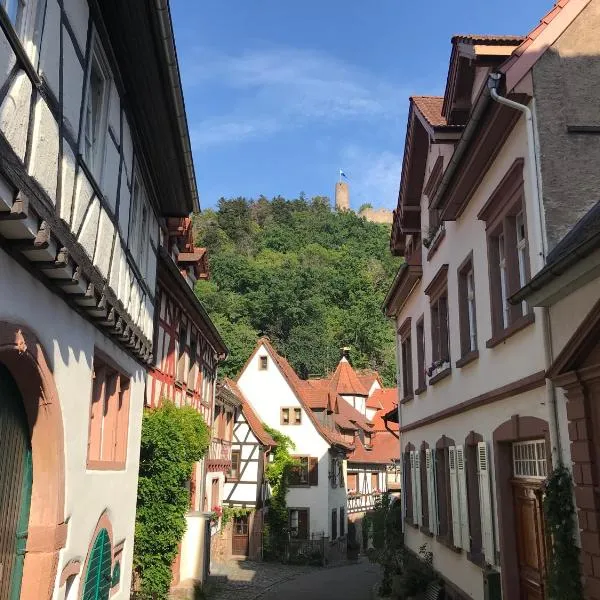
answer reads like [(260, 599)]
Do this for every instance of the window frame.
[(263, 362), (234, 474), (467, 312), (294, 415), (508, 254), (439, 312), (300, 459), (334, 524), (95, 162), (404, 332), (420, 343), (342, 529), (299, 510), (108, 427)]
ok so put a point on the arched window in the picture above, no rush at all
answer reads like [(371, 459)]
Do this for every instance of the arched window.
[(98, 577)]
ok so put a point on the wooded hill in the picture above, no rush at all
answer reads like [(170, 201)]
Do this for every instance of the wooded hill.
[(312, 279)]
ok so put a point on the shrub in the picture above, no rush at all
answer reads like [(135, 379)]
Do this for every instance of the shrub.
[(173, 439)]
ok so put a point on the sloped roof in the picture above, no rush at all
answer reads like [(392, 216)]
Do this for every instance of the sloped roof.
[(388, 399), (251, 417), (368, 377), (347, 411), (476, 38), (431, 109), (299, 387), (346, 382), (384, 449)]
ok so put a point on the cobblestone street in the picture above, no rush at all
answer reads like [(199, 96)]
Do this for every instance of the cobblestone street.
[(246, 580)]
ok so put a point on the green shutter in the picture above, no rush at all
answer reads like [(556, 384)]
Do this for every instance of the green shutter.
[(98, 576)]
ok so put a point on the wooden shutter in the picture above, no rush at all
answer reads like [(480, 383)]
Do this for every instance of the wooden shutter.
[(413, 486), (485, 499), (303, 524), (313, 471), (418, 507), (431, 491), (461, 473), (454, 500)]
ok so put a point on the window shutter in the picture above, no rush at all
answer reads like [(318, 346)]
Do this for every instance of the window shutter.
[(454, 501), (485, 498), (413, 486), (418, 509), (431, 491), (313, 471), (462, 494)]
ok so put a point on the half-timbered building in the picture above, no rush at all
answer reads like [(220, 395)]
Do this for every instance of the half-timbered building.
[(492, 179), (184, 370), (94, 153), (246, 486)]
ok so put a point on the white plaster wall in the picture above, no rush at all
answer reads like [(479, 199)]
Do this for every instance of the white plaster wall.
[(244, 490), (192, 547), (520, 355), (69, 342), (268, 391), (483, 420)]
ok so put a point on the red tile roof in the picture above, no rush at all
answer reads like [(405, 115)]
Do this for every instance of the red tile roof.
[(431, 109), (388, 398), (385, 448), (194, 256), (251, 417), (347, 411), (368, 377), (346, 382)]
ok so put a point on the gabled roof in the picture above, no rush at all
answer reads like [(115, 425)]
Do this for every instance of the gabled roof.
[(431, 109), (540, 38), (251, 417), (346, 382), (298, 387), (368, 377), (384, 449), (388, 399), (347, 412)]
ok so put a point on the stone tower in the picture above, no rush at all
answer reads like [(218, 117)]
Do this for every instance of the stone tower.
[(342, 196)]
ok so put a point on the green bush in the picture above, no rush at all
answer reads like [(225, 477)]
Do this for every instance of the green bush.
[(173, 439)]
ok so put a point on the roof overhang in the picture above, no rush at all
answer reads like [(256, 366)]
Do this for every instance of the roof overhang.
[(170, 277), (407, 277), (138, 34)]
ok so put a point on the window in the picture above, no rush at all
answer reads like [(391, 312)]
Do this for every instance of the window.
[(298, 523), (234, 472), (529, 459), (342, 522), (408, 487), (191, 383), (442, 480), (15, 9), (263, 363), (334, 518), (109, 418), (437, 291), (374, 482), (293, 413), (407, 381), (466, 307), (304, 472), (421, 355), (508, 254), (353, 482), (96, 105), (333, 473), (181, 352)]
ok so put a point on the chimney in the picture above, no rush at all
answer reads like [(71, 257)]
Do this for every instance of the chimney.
[(342, 196)]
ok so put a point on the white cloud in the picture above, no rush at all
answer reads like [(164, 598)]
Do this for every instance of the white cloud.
[(283, 88), (374, 177)]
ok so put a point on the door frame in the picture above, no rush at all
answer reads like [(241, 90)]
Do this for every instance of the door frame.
[(24, 356), (516, 429)]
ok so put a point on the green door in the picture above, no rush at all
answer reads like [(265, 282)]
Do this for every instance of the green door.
[(98, 576), (16, 477)]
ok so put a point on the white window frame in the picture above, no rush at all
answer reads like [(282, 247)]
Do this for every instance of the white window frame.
[(521, 236), (503, 280), (470, 277), (95, 159), (530, 459)]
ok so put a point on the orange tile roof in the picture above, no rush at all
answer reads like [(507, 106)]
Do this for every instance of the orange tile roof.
[(388, 399), (346, 382), (347, 411), (368, 377), (431, 109), (384, 448), (251, 417), (491, 39)]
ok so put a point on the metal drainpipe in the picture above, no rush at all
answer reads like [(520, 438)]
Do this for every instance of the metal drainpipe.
[(535, 184)]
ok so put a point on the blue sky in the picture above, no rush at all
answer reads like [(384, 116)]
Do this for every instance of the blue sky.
[(280, 94)]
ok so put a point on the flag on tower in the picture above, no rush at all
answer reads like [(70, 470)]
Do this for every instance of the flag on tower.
[(342, 174)]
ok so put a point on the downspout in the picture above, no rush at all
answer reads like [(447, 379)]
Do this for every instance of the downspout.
[(535, 190)]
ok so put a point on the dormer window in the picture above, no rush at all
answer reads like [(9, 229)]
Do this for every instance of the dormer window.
[(263, 363)]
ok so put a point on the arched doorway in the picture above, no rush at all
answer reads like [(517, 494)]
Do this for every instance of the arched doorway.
[(16, 477)]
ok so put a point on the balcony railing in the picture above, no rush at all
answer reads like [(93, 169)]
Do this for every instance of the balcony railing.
[(220, 450), (361, 502)]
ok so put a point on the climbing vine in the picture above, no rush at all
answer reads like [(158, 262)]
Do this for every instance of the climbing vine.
[(564, 576), (173, 439), (232, 512), (277, 474)]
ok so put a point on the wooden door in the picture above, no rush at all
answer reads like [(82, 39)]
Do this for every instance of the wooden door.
[(531, 541), (16, 477), (239, 538)]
